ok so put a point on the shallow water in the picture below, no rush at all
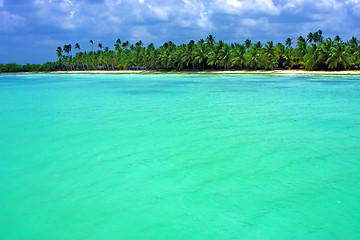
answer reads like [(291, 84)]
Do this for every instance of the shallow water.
[(92, 156)]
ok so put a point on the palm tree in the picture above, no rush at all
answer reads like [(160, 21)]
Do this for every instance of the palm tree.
[(339, 57), (125, 44), (280, 54), (319, 53), (67, 49), (258, 45), (224, 57), (59, 52), (290, 58), (248, 44), (337, 38), (354, 42), (310, 37), (320, 38), (315, 37), (210, 40), (212, 57), (323, 52), (92, 45), (269, 58), (200, 53), (238, 56), (77, 46), (288, 43), (150, 57), (300, 51), (187, 55), (310, 58)]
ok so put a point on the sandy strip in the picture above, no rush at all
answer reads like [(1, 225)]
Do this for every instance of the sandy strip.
[(357, 72), (226, 72), (290, 72), (101, 71)]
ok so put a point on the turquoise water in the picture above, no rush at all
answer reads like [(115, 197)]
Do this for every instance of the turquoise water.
[(90, 156)]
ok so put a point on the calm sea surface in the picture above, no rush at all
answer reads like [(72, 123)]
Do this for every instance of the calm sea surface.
[(147, 157)]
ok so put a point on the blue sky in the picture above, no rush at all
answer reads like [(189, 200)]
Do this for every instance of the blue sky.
[(31, 30)]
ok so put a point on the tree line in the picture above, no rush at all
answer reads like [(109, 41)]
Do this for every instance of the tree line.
[(311, 53)]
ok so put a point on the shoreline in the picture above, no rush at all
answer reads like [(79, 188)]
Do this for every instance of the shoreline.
[(353, 72)]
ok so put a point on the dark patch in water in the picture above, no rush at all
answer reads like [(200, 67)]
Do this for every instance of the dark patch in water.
[(182, 82), (281, 87), (330, 81), (108, 82), (255, 81), (174, 83), (144, 92), (22, 82)]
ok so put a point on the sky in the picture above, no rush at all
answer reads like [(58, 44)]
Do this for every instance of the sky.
[(31, 30)]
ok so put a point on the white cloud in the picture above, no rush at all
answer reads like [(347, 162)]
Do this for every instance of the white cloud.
[(247, 7), (161, 12), (355, 6), (194, 13), (229, 18), (62, 13)]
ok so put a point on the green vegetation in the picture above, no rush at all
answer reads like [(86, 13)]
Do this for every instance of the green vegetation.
[(313, 53), (13, 67)]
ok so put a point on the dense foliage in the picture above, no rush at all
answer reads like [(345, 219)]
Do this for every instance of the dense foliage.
[(312, 53), (46, 67)]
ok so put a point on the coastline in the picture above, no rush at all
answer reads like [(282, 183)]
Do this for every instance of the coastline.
[(353, 72)]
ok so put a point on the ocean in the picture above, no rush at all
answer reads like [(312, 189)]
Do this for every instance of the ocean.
[(179, 156)]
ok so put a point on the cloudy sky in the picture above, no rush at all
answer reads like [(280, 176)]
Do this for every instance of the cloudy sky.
[(31, 30)]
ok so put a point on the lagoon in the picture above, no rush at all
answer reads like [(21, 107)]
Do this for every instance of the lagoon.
[(179, 156)]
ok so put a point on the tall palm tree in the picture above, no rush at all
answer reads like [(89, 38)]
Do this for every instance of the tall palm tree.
[(100, 46), (67, 49), (300, 51), (59, 52), (92, 45)]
